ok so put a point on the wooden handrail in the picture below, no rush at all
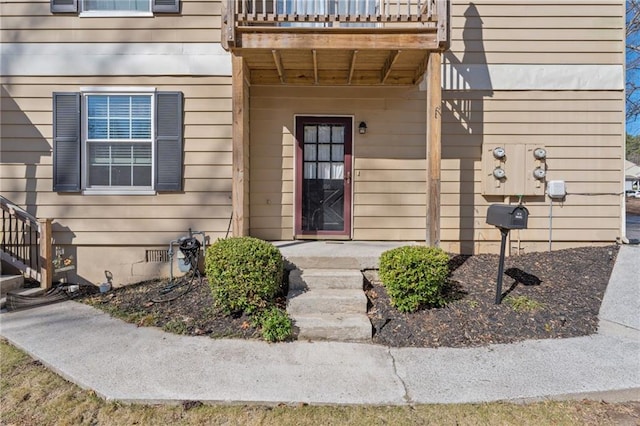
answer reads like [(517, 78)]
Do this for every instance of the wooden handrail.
[(26, 242)]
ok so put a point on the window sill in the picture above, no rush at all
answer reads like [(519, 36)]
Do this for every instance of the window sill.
[(118, 192), (115, 14)]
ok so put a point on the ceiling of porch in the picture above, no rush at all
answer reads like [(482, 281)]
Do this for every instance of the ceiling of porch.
[(334, 67)]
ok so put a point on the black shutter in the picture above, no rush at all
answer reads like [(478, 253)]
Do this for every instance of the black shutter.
[(64, 6), (169, 141), (165, 6), (66, 142)]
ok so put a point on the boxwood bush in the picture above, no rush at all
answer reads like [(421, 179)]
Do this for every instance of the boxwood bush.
[(275, 324), (414, 276), (244, 273)]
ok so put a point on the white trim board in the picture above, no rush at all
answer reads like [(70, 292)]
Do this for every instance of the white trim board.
[(113, 59), (532, 77)]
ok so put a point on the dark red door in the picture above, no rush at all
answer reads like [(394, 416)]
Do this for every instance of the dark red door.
[(323, 176)]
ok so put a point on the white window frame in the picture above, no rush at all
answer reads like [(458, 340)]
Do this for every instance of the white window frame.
[(116, 190), (113, 13)]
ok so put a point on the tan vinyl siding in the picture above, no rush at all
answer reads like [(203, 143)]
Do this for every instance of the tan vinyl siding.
[(199, 21), (583, 137), (538, 32), (388, 161), (144, 222)]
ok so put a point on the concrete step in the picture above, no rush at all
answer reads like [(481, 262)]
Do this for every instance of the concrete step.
[(326, 301), (22, 291), (10, 282), (342, 327), (329, 262), (326, 279)]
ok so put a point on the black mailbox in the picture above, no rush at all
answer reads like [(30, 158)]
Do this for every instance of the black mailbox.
[(506, 216)]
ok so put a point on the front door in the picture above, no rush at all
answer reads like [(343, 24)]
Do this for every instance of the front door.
[(323, 177)]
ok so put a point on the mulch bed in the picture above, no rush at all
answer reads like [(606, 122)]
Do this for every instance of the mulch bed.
[(548, 295), (191, 314)]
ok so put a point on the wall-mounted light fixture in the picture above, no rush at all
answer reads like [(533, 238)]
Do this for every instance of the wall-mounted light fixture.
[(362, 128)]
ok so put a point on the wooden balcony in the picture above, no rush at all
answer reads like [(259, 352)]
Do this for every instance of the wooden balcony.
[(335, 42)]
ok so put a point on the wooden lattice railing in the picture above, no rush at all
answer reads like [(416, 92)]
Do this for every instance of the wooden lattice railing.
[(26, 243)]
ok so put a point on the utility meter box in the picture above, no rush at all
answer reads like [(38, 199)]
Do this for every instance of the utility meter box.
[(507, 216)]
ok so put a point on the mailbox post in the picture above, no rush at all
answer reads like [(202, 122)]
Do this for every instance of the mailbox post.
[(505, 217)]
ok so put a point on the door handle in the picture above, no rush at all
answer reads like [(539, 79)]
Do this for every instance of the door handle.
[(348, 177)]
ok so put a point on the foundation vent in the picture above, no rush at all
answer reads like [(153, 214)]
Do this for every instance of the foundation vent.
[(156, 256)]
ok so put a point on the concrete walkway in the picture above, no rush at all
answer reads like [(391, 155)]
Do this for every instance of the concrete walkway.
[(120, 361)]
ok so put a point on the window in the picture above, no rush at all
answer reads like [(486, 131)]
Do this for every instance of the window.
[(123, 142), (118, 145), (115, 7)]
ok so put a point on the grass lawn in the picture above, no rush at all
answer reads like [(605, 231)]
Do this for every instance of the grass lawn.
[(30, 394)]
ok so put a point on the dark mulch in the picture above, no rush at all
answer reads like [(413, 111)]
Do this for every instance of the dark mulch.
[(191, 314), (546, 295)]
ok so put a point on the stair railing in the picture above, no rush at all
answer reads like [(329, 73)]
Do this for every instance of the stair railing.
[(26, 243)]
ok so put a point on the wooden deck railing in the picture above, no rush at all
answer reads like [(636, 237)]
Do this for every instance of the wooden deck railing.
[(317, 14), (332, 10), (26, 243)]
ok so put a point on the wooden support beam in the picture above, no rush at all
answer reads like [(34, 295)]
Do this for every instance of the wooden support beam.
[(246, 73), (329, 40), (315, 66), (240, 148), (388, 64), (434, 148), (46, 253), (352, 67), (422, 68), (278, 61)]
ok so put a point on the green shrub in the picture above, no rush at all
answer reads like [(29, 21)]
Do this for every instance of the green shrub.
[(414, 276), (275, 325), (245, 274)]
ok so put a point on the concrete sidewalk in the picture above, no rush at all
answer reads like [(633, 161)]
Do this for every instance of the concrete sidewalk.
[(120, 361)]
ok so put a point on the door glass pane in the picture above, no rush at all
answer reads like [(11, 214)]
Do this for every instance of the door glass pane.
[(337, 133), (324, 133), (309, 152), (324, 170), (309, 170), (337, 152), (310, 134), (337, 170), (324, 152)]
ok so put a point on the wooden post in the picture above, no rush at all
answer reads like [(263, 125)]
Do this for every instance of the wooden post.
[(46, 253), (240, 150), (434, 130)]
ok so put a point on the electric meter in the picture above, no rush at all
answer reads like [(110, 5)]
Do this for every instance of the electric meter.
[(539, 173), (540, 153), (499, 153)]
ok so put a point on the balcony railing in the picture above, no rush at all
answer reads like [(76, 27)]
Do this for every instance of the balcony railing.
[(26, 242), (333, 10), (292, 15)]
